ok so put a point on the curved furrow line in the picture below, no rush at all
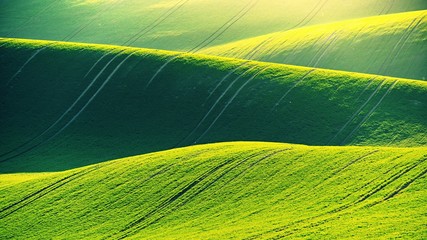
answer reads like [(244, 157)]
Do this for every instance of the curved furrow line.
[(155, 23), (228, 104), (61, 117), (12, 208), (273, 50), (141, 222), (76, 115), (325, 51), (300, 24), (405, 41), (379, 176), (297, 82), (256, 162), (392, 52), (371, 81), (225, 78), (317, 12), (256, 49), (32, 18), (389, 181), (218, 33), (366, 118), (359, 110), (225, 27), (390, 7), (94, 18), (384, 9), (66, 112), (346, 166), (312, 221), (160, 69), (27, 62), (202, 120), (322, 48), (406, 184), (204, 184)]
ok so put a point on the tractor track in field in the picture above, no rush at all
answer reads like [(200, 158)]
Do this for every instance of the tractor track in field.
[(75, 116), (393, 51), (369, 114), (405, 185), (217, 33), (319, 6), (141, 222), (325, 51), (386, 9), (63, 115), (405, 41), (37, 52), (229, 102), (11, 208), (256, 49), (155, 23), (201, 121), (256, 162), (33, 17), (339, 209), (313, 13), (190, 191), (321, 47), (92, 20), (297, 82), (346, 166), (389, 181), (274, 50), (359, 110)]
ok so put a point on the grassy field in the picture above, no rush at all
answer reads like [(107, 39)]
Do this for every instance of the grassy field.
[(178, 24), (66, 105), (241, 190), (213, 119), (392, 45)]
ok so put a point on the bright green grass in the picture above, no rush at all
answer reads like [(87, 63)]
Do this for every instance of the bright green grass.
[(393, 45), (116, 21), (128, 115), (226, 191)]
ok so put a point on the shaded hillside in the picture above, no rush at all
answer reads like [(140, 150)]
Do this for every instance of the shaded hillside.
[(226, 191), (65, 105), (178, 24), (392, 45)]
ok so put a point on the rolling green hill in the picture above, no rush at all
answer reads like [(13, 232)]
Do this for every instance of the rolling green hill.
[(392, 45), (226, 191), (65, 105), (178, 24)]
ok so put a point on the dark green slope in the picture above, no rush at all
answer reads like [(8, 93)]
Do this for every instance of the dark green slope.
[(226, 191), (61, 110)]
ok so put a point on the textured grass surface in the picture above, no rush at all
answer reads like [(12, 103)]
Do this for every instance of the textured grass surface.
[(177, 24), (61, 110), (392, 45), (226, 191)]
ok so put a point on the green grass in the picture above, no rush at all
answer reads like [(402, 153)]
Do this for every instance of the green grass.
[(116, 21), (392, 45), (239, 190), (125, 113)]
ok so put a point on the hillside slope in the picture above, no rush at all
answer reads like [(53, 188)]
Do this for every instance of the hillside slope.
[(65, 105), (178, 24), (226, 191), (392, 45)]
